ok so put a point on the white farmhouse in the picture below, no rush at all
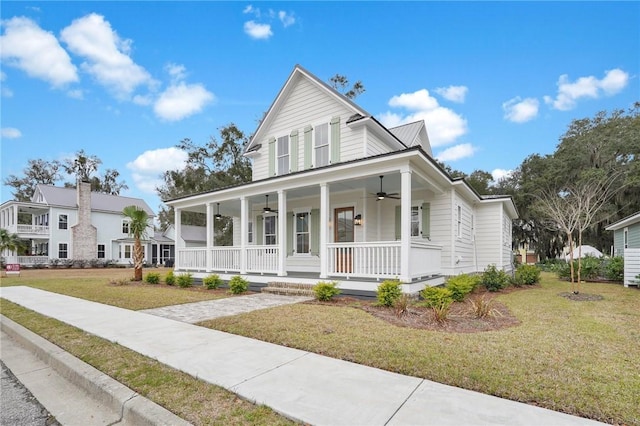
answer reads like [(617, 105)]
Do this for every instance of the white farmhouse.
[(337, 196)]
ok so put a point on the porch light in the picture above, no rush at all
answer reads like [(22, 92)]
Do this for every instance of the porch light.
[(357, 220), (218, 216)]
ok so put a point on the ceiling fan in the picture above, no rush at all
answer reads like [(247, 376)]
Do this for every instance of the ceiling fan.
[(266, 208), (382, 195)]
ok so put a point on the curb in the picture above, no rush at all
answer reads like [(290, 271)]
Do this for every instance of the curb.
[(133, 407)]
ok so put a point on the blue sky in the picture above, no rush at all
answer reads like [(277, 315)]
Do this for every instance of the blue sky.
[(494, 81)]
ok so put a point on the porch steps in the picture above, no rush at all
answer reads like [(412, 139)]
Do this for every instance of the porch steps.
[(289, 289)]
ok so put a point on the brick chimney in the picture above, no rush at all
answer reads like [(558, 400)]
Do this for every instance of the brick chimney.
[(84, 234)]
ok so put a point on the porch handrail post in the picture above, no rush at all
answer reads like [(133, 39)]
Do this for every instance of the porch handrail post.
[(282, 233), (405, 225), (178, 241), (210, 236), (324, 228), (244, 225)]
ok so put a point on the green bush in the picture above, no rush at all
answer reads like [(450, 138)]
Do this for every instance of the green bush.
[(238, 285), (388, 292), (590, 267), (436, 296), (461, 285), (564, 270), (152, 278), (212, 281), (185, 280), (527, 274), (170, 279), (494, 279), (326, 291), (614, 269)]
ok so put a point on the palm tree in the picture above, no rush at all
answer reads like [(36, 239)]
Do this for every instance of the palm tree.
[(138, 230), (9, 241)]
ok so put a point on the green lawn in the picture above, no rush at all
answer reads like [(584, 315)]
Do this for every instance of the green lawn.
[(581, 358), (93, 284)]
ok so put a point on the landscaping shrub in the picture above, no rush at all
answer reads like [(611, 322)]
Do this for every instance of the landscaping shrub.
[(436, 296), (482, 307), (120, 281), (441, 312), (212, 281), (590, 267), (185, 280), (461, 285), (152, 278), (494, 279), (401, 305), (527, 274), (238, 285), (388, 292), (614, 269), (325, 291), (170, 279)]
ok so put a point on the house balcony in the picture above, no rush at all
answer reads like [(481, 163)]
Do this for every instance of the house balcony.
[(29, 230)]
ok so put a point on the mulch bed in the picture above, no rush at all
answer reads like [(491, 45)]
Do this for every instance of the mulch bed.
[(582, 297)]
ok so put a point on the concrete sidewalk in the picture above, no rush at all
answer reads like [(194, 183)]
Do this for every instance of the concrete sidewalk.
[(301, 385)]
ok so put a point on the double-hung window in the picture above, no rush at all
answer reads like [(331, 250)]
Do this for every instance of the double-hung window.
[(270, 230), (283, 155), (125, 227), (321, 145), (63, 250), (101, 251), (302, 235), (250, 232), (625, 237), (415, 221), (63, 220)]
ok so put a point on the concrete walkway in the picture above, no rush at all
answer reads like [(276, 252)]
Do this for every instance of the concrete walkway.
[(209, 309), (301, 385)]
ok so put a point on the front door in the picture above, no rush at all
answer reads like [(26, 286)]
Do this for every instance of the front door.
[(343, 233)]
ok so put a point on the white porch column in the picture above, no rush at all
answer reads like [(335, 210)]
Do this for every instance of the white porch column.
[(211, 229), (405, 225), (244, 225), (282, 233), (178, 241), (324, 229)]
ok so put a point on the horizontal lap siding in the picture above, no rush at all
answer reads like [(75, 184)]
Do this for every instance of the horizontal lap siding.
[(375, 146), (634, 235), (506, 242), (488, 235), (307, 105), (463, 244), (618, 242), (441, 225)]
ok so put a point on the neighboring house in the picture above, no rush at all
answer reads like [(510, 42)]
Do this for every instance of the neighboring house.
[(337, 196), (75, 224), (626, 243)]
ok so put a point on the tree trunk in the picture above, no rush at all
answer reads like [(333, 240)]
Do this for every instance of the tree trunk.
[(571, 261), (138, 258), (579, 261)]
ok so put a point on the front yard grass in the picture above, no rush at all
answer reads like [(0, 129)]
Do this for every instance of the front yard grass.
[(194, 400), (578, 357), (93, 284)]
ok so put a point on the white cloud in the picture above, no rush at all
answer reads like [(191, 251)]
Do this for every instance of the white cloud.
[(587, 87), (453, 93), (499, 174), (75, 94), (10, 133), (28, 47), (182, 100), (286, 19), (251, 9), (520, 110), (148, 167), (176, 71), (142, 100), (106, 53), (456, 152), (257, 31), (444, 126)]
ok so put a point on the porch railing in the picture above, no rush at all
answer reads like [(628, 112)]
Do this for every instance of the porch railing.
[(225, 258), (28, 260), (32, 229), (368, 260), (192, 258), (262, 259)]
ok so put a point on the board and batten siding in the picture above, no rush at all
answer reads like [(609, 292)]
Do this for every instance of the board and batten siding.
[(488, 239), (307, 105)]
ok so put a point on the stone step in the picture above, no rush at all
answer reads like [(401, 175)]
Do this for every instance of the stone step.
[(275, 284)]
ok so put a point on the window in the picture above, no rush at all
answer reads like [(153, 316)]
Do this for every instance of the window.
[(625, 237), (125, 251), (250, 232), (62, 221), (125, 227), (459, 222), (415, 221), (100, 251), (302, 235), (321, 145), (63, 251), (270, 230), (283, 155)]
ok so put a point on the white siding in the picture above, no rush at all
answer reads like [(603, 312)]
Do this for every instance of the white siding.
[(441, 232), (464, 256), (631, 265), (488, 235), (375, 146), (308, 105), (507, 263)]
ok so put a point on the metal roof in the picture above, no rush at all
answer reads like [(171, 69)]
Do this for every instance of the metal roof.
[(407, 132), (67, 197)]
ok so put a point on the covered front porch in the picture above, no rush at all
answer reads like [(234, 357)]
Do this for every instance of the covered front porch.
[(369, 220)]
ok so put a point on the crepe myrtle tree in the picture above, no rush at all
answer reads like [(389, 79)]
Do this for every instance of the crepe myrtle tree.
[(139, 219)]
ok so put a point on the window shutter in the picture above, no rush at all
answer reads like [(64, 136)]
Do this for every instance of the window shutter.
[(426, 220), (259, 226), (290, 221), (315, 232), (308, 147), (398, 222), (293, 155), (272, 156), (335, 140)]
